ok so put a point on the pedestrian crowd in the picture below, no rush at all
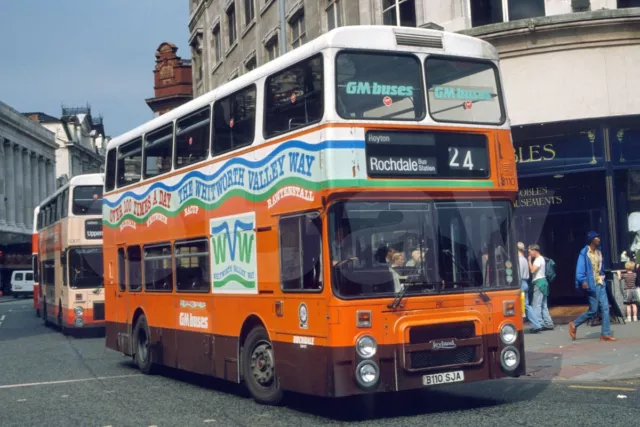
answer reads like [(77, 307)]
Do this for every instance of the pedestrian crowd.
[(537, 273)]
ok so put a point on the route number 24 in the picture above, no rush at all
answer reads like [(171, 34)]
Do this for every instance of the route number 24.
[(455, 157)]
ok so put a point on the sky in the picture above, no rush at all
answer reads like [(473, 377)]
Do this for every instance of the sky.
[(75, 52)]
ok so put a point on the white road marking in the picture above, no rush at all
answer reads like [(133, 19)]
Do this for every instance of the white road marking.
[(65, 395), (67, 381), (22, 400), (210, 421), (1, 318)]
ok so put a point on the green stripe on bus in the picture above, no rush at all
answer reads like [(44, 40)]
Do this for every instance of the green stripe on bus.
[(307, 185)]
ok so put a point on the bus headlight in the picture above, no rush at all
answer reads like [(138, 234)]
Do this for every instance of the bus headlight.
[(79, 322), (508, 334), (367, 373), (510, 358), (79, 311), (366, 346)]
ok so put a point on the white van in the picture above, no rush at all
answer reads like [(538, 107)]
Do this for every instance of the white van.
[(22, 283)]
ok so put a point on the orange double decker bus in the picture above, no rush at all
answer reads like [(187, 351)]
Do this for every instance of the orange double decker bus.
[(336, 222), (71, 285), (34, 260)]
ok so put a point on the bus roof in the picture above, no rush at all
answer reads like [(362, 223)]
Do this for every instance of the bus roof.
[(382, 37), (88, 179)]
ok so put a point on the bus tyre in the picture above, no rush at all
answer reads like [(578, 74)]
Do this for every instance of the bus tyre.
[(45, 317), (142, 346), (259, 368)]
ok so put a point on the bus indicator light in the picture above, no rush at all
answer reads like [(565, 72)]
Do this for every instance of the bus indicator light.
[(387, 100), (468, 105)]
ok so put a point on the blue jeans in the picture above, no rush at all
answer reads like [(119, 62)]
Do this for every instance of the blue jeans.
[(597, 300), (539, 307), (535, 321)]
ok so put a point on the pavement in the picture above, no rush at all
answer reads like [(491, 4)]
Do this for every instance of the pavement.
[(50, 379), (554, 356)]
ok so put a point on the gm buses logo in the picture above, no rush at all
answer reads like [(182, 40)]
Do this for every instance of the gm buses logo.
[(366, 88), (234, 254), (191, 321), (461, 94)]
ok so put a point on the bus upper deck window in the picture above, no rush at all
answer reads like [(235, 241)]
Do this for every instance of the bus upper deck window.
[(193, 134)]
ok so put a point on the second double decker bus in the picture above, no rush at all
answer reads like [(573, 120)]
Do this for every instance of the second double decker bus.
[(70, 255), (335, 222)]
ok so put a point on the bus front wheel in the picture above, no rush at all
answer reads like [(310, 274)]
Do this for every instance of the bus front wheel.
[(45, 317), (259, 368), (143, 354)]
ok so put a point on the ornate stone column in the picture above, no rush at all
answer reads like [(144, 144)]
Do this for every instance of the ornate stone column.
[(28, 196), (9, 184), (19, 180), (3, 187), (35, 180), (42, 171), (51, 178)]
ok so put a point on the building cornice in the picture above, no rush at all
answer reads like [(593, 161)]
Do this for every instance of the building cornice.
[(27, 126), (603, 28)]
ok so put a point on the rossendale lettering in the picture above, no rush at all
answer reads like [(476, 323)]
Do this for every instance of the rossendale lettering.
[(366, 88)]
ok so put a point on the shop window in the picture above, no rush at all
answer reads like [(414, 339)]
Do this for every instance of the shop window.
[(334, 14), (273, 51), (216, 44), (231, 24), (525, 9), (628, 3), (298, 31), (249, 11), (234, 120), (192, 138), (134, 268), (129, 162), (192, 266), (294, 97), (484, 12), (158, 272), (301, 252), (403, 11), (158, 149)]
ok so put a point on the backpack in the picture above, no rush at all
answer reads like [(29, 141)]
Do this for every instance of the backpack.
[(550, 269)]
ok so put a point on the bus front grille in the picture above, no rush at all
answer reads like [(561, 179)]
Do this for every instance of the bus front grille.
[(98, 311), (431, 359), (427, 333)]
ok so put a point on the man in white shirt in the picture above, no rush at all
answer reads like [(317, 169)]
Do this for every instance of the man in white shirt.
[(524, 278), (537, 267)]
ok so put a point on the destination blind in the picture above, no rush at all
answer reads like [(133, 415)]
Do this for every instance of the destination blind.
[(426, 154)]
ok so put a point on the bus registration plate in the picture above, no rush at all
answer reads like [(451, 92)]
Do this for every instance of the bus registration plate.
[(444, 378)]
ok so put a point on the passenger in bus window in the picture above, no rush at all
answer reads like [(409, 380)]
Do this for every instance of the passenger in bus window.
[(398, 260), (342, 251)]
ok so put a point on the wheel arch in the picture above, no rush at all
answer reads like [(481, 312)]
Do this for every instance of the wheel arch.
[(251, 322)]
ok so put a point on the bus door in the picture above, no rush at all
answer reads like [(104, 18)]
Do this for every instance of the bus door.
[(301, 311), (121, 301)]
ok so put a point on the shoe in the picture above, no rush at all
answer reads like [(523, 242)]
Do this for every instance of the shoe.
[(547, 328), (628, 319), (635, 318), (607, 338), (535, 330), (572, 330)]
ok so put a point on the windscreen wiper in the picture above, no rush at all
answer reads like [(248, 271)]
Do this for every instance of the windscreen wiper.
[(398, 298), (483, 295)]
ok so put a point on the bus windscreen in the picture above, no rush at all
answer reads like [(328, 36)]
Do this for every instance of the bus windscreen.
[(86, 268), (87, 200), (378, 247)]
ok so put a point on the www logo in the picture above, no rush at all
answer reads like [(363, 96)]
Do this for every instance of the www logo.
[(233, 243), (241, 243)]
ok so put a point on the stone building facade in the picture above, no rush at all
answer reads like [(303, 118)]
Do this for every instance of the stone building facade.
[(27, 176)]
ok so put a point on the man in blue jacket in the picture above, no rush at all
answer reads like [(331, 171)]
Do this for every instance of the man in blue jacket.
[(590, 279)]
